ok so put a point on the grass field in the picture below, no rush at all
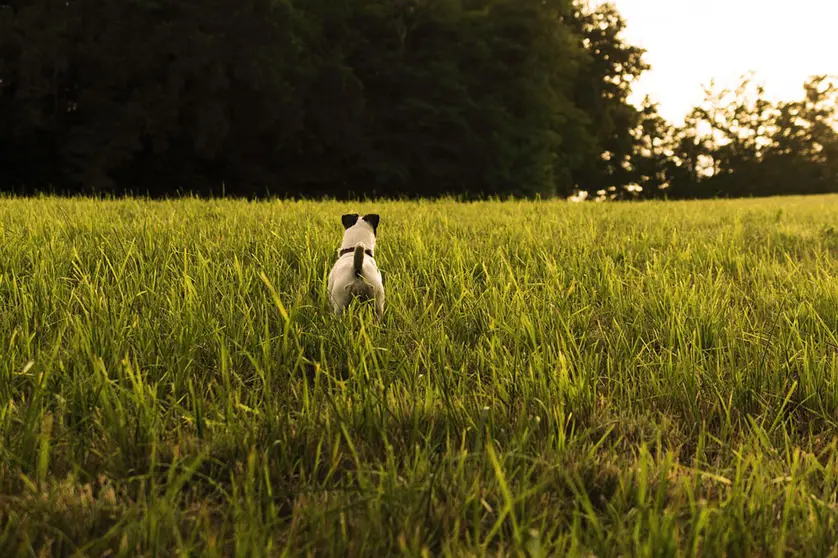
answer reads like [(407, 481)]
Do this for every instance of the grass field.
[(549, 379)]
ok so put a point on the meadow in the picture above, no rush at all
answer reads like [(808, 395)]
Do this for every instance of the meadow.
[(548, 379)]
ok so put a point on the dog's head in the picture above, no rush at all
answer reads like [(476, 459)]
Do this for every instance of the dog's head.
[(360, 229)]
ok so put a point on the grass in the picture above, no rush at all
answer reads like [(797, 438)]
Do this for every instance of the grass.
[(549, 379)]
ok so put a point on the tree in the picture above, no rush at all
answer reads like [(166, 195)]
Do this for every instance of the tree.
[(32, 97), (471, 98), (374, 97), (652, 168), (803, 156), (737, 143), (148, 95), (601, 91)]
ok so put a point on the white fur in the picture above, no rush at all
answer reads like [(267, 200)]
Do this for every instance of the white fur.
[(344, 285)]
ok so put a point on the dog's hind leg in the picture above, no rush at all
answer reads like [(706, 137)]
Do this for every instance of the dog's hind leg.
[(379, 304), (337, 305)]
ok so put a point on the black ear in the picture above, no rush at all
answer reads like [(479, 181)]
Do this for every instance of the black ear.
[(349, 220), (372, 219)]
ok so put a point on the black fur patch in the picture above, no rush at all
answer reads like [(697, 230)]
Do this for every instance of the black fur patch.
[(349, 220), (372, 219)]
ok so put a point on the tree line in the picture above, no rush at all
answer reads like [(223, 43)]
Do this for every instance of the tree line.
[(375, 98)]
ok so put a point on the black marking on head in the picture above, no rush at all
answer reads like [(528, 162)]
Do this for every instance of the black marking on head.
[(372, 219), (349, 220)]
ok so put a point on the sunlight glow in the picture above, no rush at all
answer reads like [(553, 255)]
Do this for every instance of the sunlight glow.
[(689, 43)]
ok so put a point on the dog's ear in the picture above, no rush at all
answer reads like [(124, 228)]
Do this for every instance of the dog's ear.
[(349, 220), (372, 219)]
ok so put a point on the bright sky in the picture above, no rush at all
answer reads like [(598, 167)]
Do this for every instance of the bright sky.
[(690, 42)]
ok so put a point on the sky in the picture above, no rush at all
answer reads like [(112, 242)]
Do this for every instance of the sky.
[(690, 42)]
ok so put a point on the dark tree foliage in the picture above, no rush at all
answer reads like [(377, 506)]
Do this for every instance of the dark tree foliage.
[(155, 96), (601, 90), (373, 97)]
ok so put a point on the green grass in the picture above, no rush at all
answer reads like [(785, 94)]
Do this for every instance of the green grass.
[(650, 379)]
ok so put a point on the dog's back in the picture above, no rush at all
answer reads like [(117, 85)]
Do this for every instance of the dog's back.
[(355, 273)]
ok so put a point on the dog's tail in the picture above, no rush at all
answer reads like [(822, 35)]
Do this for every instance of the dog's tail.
[(358, 259)]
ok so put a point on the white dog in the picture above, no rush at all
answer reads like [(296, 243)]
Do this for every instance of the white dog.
[(355, 273)]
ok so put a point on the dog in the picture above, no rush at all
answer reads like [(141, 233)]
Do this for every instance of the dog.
[(355, 273)]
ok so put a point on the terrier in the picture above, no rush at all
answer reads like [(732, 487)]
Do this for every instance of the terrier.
[(355, 273)]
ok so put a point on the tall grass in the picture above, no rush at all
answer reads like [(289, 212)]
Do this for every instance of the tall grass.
[(651, 379)]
